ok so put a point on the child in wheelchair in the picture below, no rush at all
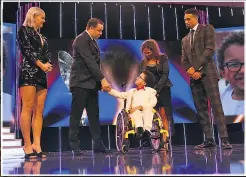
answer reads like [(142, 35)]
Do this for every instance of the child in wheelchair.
[(140, 102)]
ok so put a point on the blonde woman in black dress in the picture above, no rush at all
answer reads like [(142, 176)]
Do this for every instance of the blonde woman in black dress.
[(33, 80)]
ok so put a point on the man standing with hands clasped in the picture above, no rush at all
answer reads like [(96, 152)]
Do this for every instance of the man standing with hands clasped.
[(86, 80), (197, 50)]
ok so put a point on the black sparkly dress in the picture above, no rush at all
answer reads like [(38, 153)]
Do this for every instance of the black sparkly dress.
[(32, 49)]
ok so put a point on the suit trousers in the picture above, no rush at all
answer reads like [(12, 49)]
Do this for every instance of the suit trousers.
[(88, 99), (203, 90), (143, 118)]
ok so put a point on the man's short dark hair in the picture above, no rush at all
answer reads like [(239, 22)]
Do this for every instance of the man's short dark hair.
[(192, 11), (93, 22), (234, 38), (149, 78)]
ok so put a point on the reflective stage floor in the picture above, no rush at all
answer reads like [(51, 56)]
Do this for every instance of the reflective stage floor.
[(180, 160)]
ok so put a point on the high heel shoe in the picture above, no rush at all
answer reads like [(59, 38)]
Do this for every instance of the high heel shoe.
[(40, 154), (30, 155)]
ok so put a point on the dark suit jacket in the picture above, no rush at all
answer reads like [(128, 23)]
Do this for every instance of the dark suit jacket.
[(200, 55), (85, 70), (162, 70)]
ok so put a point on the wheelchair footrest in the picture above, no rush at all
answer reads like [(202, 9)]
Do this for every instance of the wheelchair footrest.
[(152, 130)]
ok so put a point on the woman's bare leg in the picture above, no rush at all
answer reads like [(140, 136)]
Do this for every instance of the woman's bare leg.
[(37, 121), (28, 94)]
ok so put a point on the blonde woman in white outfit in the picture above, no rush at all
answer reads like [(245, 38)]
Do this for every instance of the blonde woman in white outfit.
[(139, 102)]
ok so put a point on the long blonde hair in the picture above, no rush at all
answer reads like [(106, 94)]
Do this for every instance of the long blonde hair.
[(31, 14)]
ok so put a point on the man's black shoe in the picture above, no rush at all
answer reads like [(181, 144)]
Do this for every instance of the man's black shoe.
[(146, 134), (206, 144), (225, 143), (77, 152), (100, 147)]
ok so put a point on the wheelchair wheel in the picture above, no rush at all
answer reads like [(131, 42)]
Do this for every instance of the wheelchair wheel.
[(156, 138), (158, 116), (125, 146), (121, 128), (166, 146)]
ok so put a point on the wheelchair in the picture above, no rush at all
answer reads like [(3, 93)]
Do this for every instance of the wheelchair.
[(125, 126)]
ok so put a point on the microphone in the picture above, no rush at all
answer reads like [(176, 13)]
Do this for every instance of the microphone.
[(123, 84)]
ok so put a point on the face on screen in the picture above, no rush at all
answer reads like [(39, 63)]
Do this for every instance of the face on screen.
[(234, 71)]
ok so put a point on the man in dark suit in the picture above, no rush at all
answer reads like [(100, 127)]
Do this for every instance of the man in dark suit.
[(85, 81), (197, 50)]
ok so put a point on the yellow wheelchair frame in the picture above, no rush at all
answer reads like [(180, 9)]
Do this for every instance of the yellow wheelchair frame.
[(130, 129)]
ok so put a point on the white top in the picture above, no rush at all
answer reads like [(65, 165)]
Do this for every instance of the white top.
[(195, 27), (138, 98), (145, 98), (230, 106)]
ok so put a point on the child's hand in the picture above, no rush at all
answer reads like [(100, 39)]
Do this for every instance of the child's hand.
[(140, 108), (106, 89), (132, 110), (135, 109), (157, 94)]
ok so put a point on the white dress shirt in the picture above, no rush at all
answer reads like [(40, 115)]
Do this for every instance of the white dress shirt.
[(195, 28), (89, 35)]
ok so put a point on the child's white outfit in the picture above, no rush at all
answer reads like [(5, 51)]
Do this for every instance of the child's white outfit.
[(145, 97)]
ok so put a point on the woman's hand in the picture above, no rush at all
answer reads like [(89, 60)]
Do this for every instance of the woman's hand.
[(47, 67), (157, 94)]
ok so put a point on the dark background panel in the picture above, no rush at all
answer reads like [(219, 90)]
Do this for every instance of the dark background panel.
[(156, 29), (238, 17), (51, 27), (182, 29), (113, 21), (142, 21), (68, 20), (7, 8), (99, 12), (215, 19), (170, 24), (83, 15), (127, 20)]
